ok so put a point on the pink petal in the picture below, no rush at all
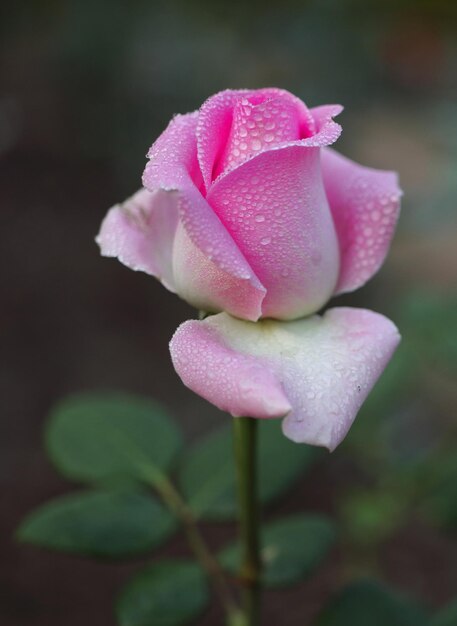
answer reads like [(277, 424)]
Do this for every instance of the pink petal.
[(173, 167), (316, 371), (365, 204), (275, 208), (140, 232)]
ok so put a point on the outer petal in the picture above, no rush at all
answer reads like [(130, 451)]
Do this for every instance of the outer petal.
[(233, 380), (275, 208), (173, 167), (316, 371), (140, 233), (365, 205)]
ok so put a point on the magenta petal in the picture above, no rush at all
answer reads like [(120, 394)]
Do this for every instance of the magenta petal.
[(234, 125), (259, 127), (365, 205), (316, 371), (213, 129)]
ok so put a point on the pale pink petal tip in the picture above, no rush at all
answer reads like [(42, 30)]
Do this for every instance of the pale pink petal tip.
[(327, 130), (316, 372), (140, 233)]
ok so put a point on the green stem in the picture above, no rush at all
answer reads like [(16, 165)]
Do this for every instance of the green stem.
[(172, 498), (245, 431)]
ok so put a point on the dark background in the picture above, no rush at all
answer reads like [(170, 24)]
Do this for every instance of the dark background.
[(85, 87)]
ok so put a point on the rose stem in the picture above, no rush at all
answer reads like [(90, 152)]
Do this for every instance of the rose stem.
[(172, 498), (245, 442)]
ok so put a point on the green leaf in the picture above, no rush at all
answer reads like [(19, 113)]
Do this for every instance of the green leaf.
[(111, 437), (99, 523), (432, 332), (168, 593), (371, 516), (207, 474), (367, 602), (292, 549), (446, 616)]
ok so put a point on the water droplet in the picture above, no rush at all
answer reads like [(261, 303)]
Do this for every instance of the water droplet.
[(259, 218), (265, 241), (256, 145)]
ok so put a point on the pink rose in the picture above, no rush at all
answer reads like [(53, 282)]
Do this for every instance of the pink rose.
[(246, 210)]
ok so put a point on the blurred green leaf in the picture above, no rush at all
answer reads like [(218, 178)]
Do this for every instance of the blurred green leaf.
[(292, 548), (168, 593), (440, 493), (207, 474), (446, 616), (111, 437), (370, 516), (432, 331), (99, 523), (369, 603)]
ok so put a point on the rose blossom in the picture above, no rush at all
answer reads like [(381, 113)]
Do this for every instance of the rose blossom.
[(246, 210)]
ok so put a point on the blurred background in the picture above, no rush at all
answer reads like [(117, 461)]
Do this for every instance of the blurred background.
[(85, 88)]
